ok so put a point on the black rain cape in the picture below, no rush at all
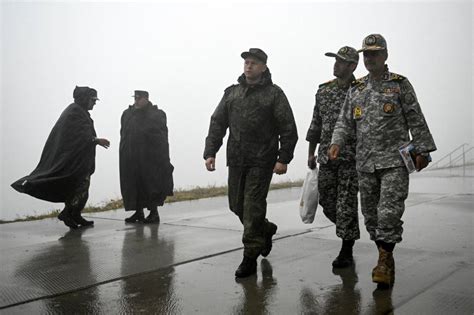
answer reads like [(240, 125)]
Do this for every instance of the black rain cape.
[(68, 157), (146, 174)]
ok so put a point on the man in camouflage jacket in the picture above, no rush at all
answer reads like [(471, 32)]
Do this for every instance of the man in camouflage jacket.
[(262, 138), (381, 110), (337, 180)]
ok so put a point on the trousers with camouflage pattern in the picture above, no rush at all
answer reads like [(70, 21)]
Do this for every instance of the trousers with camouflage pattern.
[(248, 189), (337, 185), (382, 195)]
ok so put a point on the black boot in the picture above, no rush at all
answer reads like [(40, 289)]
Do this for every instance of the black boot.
[(344, 259), (138, 216), (81, 221), (268, 239), (247, 267), (153, 217), (66, 217)]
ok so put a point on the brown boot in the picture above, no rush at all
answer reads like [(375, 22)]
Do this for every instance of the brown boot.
[(384, 273)]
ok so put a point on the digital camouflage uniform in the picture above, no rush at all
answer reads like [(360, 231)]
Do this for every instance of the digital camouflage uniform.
[(337, 180), (262, 131), (382, 113)]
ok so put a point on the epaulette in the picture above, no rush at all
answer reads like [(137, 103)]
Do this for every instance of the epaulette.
[(279, 89), (394, 77), (327, 83), (229, 88), (360, 83)]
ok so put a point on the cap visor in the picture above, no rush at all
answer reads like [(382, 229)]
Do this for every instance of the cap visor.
[(330, 54), (373, 48)]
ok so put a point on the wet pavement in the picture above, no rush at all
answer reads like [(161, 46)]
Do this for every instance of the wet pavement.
[(186, 264)]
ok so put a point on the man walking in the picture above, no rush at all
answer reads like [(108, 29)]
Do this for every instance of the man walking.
[(261, 142), (68, 160), (337, 179), (382, 111)]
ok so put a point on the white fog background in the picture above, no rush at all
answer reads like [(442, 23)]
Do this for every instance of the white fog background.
[(186, 53)]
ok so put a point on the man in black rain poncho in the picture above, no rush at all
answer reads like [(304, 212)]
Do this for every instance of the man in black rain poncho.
[(146, 174), (68, 160)]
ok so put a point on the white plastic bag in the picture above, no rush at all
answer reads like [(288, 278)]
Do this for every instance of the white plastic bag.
[(309, 197)]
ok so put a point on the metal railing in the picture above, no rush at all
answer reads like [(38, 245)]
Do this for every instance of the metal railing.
[(456, 158)]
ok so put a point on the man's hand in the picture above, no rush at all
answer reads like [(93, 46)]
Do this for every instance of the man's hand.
[(312, 162), (211, 164), (421, 162), (333, 151), (103, 142), (280, 168)]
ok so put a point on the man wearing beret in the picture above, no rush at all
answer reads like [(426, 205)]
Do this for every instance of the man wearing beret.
[(337, 179), (68, 160), (382, 110), (146, 174), (262, 138)]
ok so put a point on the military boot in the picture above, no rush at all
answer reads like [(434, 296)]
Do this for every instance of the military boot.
[(66, 217), (384, 273), (344, 259), (138, 216), (268, 239), (153, 217), (247, 267), (81, 221)]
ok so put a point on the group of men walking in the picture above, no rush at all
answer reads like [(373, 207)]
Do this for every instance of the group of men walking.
[(359, 126)]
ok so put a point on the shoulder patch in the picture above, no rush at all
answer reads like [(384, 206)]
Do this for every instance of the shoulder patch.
[(395, 77), (326, 83)]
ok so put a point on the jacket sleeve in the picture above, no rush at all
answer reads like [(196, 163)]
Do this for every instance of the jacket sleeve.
[(345, 125), (421, 135), (314, 132), (217, 129), (288, 134)]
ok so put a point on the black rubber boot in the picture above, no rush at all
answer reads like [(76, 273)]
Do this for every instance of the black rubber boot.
[(153, 217), (66, 217), (247, 267), (138, 216), (344, 259), (268, 241), (81, 221)]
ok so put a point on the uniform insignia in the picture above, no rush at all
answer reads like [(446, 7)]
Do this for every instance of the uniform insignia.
[(388, 108), (343, 50), (409, 98), (370, 40), (357, 112), (391, 90)]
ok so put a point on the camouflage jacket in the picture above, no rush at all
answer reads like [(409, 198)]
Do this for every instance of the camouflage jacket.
[(382, 113), (329, 100), (261, 125)]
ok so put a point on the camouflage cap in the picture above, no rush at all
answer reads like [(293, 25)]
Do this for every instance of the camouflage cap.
[(140, 93), (345, 53), (373, 42), (255, 52)]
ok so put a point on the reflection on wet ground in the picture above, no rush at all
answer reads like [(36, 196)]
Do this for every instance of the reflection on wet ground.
[(186, 264)]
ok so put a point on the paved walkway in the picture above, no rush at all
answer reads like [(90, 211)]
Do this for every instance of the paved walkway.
[(186, 264)]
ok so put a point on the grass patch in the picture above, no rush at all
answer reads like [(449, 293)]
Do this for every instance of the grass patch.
[(179, 195)]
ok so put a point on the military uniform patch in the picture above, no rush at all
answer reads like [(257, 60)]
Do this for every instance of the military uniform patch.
[(409, 98), (357, 112), (370, 40), (391, 90), (388, 108)]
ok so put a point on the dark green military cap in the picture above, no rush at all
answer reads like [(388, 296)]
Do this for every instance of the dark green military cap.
[(140, 93), (374, 42), (255, 52), (345, 53)]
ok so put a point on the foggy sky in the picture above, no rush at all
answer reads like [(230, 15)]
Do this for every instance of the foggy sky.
[(186, 54)]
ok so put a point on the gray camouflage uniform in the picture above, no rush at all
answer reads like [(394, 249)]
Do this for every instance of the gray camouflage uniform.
[(262, 131), (381, 114), (337, 180)]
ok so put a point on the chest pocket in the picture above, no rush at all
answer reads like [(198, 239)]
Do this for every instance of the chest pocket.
[(390, 105)]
